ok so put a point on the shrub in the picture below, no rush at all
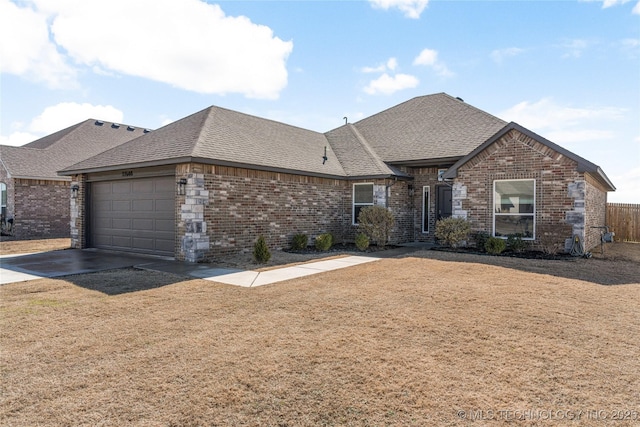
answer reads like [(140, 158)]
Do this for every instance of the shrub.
[(260, 251), (362, 241), (324, 242), (299, 242), (481, 238), (495, 245), (515, 243), (376, 222), (452, 231), (552, 236)]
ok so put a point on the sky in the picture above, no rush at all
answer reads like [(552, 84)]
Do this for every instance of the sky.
[(567, 70)]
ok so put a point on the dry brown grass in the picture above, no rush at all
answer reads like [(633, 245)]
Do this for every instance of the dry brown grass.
[(8, 246), (408, 341)]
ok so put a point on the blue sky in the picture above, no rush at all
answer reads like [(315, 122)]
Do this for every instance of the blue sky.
[(568, 70)]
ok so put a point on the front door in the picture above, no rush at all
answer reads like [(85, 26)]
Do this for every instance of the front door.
[(444, 206)]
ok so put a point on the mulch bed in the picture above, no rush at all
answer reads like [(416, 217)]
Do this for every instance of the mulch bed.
[(339, 248), (523, 254)]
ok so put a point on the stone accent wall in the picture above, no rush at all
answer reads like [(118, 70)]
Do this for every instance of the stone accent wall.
[(192, 228), (40, 208), (596, 212), (4, 177), (516, 156), (78, 213)]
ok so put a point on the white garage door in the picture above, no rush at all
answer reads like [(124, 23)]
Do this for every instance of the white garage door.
[(136, 215)]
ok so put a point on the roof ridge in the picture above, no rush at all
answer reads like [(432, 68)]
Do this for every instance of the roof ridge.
[(370, 151)]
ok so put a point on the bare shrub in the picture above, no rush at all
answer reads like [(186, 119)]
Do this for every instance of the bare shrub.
[(376, 222), (551, 237)]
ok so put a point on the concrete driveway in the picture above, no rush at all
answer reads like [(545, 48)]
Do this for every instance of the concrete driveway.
[(18, 268)]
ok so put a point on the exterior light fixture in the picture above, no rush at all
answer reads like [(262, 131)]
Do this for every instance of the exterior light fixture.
[(411, 190), (75, 188), (182, 186)]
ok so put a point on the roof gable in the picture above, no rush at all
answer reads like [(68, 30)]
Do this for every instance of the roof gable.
[(583, 165)]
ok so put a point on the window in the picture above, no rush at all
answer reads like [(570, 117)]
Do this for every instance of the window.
[(514, 205), (426, 202), (362, 197)]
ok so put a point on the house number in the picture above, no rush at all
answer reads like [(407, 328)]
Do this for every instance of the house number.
[(127, 173)]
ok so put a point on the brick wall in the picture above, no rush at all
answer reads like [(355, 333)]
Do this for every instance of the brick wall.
[(516, 156), (423, 177), (40, 208), (595, 215), (234, 206)]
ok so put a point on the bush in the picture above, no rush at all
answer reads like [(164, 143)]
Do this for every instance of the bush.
[(452, 231), (324, 242), (299, 242), (515, 243), (376, 222), (260, 251), (362, 241), (552, 236), (495, 245), (481, 238)]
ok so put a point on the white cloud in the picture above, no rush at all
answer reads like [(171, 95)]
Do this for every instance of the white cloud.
[(500, 55), (58, 117), (429, 58), (27, 51), (627, 187), (574, 48), (390, 65), (189, 44), (65, 114), (609, 3), (546, 114), (411, 8), (636, 9), (388, 85), (17, 139)]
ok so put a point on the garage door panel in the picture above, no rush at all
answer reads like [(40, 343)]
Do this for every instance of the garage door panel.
[(136, 215), (121, 223), (121, 205), (121, 187)]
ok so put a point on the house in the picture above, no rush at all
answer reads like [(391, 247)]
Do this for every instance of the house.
[(35, 199), (211, 183)]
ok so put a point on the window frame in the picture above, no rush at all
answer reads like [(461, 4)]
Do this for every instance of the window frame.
[(355, 204), (426, 205), (519, 214)]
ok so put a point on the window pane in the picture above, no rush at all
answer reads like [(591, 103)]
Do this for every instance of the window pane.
[(363, 193), (514, 196), (514, 224), (3, 191)]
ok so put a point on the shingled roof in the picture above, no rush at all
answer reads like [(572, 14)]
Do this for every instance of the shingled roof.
[(427, 129), (219, 136), (42, 158)]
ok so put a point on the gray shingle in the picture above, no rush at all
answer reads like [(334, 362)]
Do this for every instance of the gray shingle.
[(428, 127), (44, 157)]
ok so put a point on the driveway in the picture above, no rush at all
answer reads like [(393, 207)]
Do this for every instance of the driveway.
[(18, 268)]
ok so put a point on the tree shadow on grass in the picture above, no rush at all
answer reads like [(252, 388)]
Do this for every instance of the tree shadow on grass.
[(598, 271), (124, 280)]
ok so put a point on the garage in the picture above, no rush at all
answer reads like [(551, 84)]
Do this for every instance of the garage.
[(135, 215)]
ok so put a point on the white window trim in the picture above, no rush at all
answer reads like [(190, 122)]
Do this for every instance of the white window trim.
[(354, 204), (493, 208), (426, 206)]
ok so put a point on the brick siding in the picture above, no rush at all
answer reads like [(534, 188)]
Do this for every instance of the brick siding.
[(561, 194), (40, 208)]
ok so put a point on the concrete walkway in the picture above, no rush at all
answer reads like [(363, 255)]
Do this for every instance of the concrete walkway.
[(252, 279)]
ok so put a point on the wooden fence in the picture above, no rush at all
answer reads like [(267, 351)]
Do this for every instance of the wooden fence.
[(624, 220)]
